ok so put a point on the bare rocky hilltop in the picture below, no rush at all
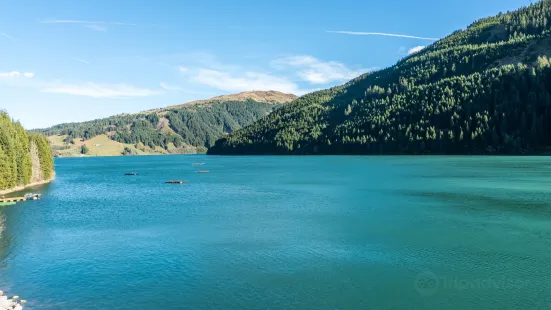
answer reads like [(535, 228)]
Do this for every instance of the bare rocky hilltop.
[(270, 96)]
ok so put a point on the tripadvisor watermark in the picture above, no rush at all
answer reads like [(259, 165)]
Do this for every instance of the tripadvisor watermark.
[(428, 283)]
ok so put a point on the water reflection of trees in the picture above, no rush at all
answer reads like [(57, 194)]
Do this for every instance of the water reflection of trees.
[(5, 241), (2, 222)]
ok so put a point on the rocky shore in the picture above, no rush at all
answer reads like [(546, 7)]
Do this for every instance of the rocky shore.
[(13, 303)]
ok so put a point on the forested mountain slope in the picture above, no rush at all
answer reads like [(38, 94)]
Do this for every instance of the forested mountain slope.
[(178, 129), (486, 89), (24, 158)]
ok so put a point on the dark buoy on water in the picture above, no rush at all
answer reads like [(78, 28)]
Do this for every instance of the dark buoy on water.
[(175, 182)]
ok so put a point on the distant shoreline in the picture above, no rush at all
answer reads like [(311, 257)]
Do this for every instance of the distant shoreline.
[(139, 155), (20, 188)]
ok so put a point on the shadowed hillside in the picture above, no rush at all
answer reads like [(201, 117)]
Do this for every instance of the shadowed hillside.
[(482, 90)]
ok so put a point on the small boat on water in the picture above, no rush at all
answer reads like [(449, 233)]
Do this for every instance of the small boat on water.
[(176, 182), (197, 164), (131, 174), (7, 203), (31, 196), (203, 171)]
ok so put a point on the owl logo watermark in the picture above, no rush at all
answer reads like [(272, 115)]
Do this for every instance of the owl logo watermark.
[(426, 283)]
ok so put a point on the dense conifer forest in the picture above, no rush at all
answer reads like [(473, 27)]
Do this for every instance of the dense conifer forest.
[(24, 157), (199, 125), (482, 90)]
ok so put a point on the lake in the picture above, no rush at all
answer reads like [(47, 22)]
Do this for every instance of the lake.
[(284, 233)]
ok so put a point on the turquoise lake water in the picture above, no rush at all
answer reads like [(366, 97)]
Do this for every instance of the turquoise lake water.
[(284, 233)]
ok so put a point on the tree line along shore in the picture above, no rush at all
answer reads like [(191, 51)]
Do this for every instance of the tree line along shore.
[(25, 158)]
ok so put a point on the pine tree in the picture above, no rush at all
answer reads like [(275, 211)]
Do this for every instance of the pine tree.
[(15, 157)]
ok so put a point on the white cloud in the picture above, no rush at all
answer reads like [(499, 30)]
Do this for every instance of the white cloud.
[(244, 82), (204, 71), (189, 61), (316, 71), (2, 34), (73, 21), (12, 74), (98, 90), (357, 33), (166, 86), (95, 90), (170, 87), (96, 27), (416, 49), (81, 60), (15, 74)]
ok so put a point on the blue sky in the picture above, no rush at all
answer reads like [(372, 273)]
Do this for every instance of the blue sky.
[(66, 61)]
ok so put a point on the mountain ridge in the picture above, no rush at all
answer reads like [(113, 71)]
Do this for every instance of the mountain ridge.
[(270, 96), (186, 128)]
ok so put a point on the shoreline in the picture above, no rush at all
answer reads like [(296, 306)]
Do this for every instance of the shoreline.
[(138, 155), (20, 188)]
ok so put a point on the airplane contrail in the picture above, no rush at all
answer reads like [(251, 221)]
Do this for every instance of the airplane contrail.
[(382, 34)]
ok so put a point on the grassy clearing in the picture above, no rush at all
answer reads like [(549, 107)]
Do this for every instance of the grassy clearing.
[(103, 146)]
